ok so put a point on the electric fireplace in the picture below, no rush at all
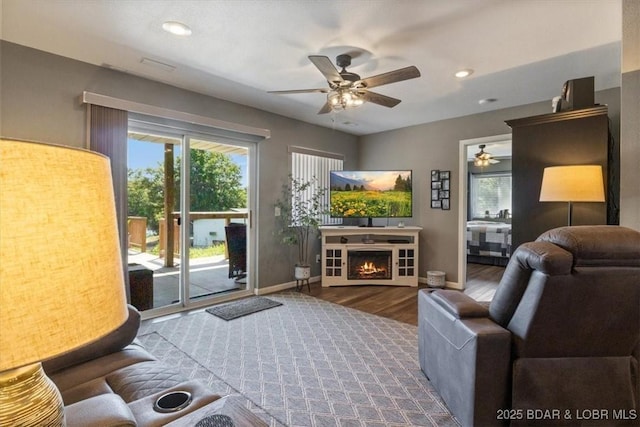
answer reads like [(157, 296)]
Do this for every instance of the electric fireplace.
[(386, 256), (369, 264)]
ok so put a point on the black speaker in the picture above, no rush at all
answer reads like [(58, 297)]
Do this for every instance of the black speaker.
[(577, 94)]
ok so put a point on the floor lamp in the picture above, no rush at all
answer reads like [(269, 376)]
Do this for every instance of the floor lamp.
[(61, 275), (581, 183)]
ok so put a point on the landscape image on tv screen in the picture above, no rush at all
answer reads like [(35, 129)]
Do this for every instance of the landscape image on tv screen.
[(370, 194)]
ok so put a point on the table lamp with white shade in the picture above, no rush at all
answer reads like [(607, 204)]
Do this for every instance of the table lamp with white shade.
[(61, 274)]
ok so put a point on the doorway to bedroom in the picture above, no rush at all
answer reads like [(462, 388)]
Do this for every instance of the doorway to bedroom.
[(485, 214)]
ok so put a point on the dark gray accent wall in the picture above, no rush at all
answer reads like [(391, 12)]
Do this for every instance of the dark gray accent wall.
[(40, 102), (569, 138)]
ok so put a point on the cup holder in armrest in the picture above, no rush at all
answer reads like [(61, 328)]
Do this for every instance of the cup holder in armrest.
[(172, 401)]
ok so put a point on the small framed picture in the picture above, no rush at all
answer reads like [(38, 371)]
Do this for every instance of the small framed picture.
[(436, 204), (445, 204), (444, 194), (445, 184), (435, 175), (444, 174), (436, 185), (435, 194)]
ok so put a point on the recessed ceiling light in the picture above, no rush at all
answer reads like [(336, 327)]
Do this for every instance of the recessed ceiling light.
[(487, 101), (464, 73), (176, 28)]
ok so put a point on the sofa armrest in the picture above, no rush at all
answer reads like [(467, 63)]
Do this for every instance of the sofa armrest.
[(105, 410), (467, 360), (460, 305)]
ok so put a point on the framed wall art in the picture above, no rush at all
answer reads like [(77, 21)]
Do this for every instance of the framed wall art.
[(441, 190)]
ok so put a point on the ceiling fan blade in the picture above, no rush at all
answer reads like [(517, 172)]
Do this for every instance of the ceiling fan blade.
[(379, 99), (326, 67), (406, 73), (326, 108), (286, 92), (494, 161)]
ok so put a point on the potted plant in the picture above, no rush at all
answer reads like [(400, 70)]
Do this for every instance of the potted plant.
[(301, 207)]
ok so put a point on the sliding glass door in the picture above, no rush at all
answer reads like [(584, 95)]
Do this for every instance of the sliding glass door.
[(188, 219)]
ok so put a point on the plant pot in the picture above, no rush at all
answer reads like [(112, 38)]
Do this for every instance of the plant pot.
[(302, 272)]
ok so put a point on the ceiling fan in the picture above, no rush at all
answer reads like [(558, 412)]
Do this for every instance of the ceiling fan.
[(482, 158), (347, 89)]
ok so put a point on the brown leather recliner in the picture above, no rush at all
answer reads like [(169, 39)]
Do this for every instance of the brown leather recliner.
[(558, 345)]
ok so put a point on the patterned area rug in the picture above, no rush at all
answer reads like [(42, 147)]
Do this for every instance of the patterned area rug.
[(242, 307), (308, 363)]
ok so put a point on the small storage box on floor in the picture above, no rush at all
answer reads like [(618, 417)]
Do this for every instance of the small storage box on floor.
[(435, 279)]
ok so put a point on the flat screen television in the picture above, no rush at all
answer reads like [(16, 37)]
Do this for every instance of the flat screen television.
[(370, 194)]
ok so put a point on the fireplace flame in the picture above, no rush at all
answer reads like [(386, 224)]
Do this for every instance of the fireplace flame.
[(370, 268)]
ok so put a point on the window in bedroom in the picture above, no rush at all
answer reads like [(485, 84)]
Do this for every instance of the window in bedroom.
[(490, 193), (307, 164)]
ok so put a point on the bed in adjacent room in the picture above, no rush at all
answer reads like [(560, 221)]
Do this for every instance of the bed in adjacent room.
[(488, 242)]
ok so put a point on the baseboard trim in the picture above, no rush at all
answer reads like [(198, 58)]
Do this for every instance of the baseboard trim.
[(447, 284), (282, 286)]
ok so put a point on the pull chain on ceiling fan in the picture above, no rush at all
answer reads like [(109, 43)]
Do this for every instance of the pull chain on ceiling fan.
[(348, 90)]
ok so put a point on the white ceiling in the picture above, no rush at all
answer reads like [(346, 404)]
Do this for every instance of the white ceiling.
[(522, 51)]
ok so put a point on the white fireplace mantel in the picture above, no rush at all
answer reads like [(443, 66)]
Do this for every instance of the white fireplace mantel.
[(400, 242)]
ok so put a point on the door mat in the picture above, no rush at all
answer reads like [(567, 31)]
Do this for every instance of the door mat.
[(242, 307)]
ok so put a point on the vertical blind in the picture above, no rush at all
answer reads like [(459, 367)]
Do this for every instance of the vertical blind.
[(306, 166), (108, 135)]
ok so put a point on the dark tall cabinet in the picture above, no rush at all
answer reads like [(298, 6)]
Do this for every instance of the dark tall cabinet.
[(575, 137)]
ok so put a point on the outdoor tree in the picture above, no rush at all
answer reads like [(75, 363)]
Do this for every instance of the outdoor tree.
[(145, 194), (216, 182)]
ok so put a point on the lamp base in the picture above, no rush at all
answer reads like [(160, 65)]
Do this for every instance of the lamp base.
[(29, 398)]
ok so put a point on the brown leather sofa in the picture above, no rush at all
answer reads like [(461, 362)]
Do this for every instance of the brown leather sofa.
[(558, 345), (116, 382)]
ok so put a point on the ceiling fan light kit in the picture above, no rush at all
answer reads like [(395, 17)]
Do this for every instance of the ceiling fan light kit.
[(483, 159), (341, 99), (347, 89)]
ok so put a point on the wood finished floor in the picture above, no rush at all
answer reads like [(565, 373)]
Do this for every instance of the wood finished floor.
[(401, 303)]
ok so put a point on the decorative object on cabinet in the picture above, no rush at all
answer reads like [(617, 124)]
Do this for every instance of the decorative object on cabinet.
[(440, 189), (578, 183)]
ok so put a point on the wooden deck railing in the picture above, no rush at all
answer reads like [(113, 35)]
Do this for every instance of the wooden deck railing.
[(137, 231)]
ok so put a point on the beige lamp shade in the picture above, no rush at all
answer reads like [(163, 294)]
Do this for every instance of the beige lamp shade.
[(61, 275), (582, 183)]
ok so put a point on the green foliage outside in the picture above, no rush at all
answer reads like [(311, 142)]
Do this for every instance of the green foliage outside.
[(371, 203), (215, 250), (216, 182)]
